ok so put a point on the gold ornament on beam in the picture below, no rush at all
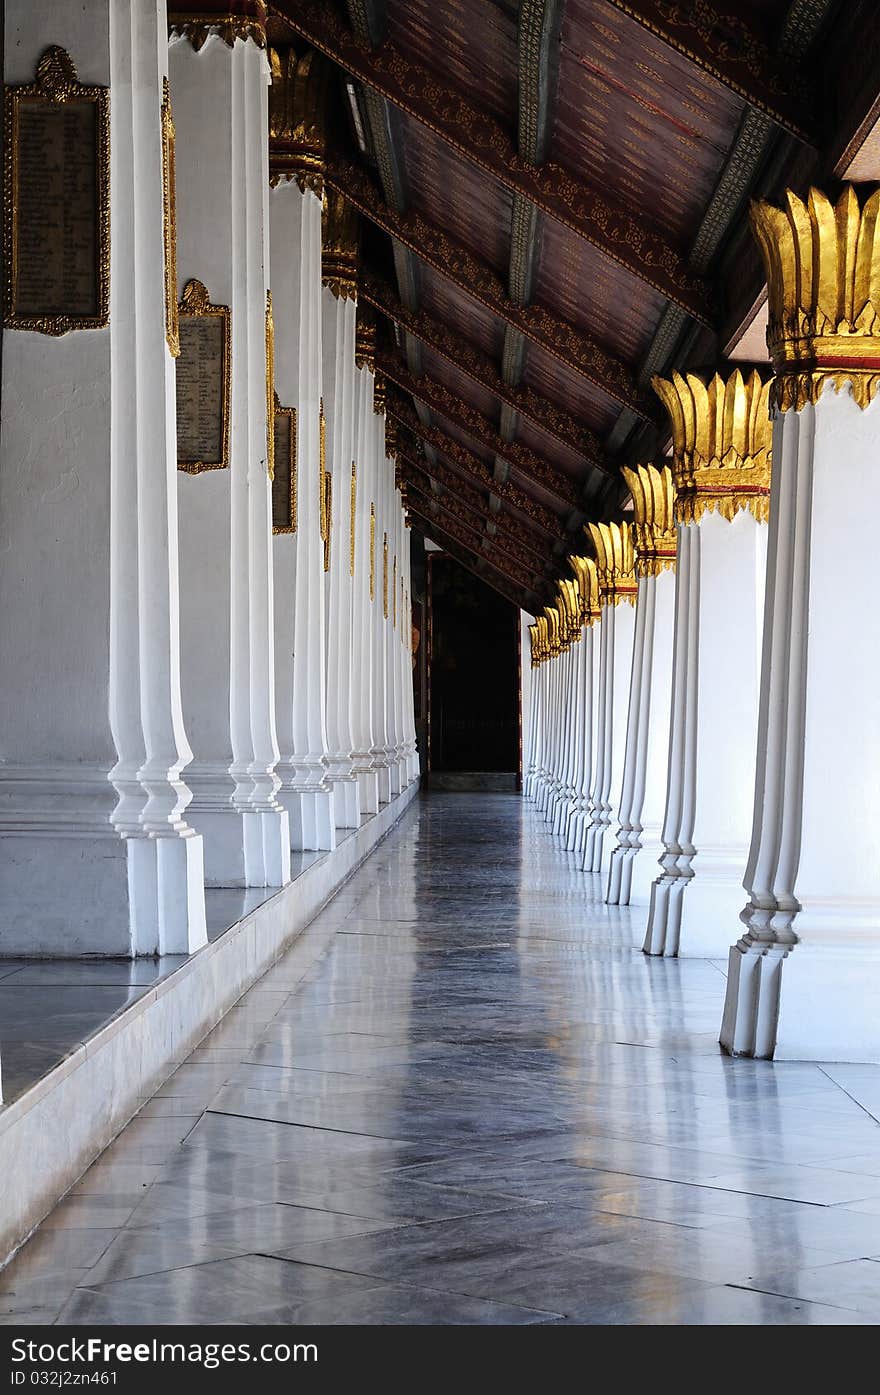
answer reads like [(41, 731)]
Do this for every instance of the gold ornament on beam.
[(721, 439), (297, 118), (653, 496), (615, 562), (822, 262)]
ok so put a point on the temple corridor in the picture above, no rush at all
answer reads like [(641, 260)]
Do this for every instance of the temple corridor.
[(464, 1095)]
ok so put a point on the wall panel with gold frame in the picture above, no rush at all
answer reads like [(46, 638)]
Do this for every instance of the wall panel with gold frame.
[(284, 477), (57, 201), (203, 382)]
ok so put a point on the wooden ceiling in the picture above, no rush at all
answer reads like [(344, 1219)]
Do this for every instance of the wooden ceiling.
[(553, 196)]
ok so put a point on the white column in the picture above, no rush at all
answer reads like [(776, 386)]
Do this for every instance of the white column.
[(717, 661), (340, 409), (96, 856), (616, 565), (366, 541), (300, 685), (379, 618), (412, 751), (220, 96), (804, 979), (528, 700), (633, 864)]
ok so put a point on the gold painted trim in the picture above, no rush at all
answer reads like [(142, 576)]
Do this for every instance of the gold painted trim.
[(351, 536), (328, 514), (372, 552), (270, 388), (279, 411), (169, 223), (385, 576), (196, 303), (56, 83), (394, 596)]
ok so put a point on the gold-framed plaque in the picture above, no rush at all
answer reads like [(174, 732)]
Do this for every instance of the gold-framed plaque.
[(57, 200), (328, 517), (271, 399), (372, 552), (203, 382), (284, 477), (169, 223), (351, 534)]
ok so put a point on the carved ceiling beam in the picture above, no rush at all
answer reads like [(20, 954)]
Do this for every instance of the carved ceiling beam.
[(438, 398), (510, 534), (586, 211), (434, 247), (485, 568), (402, 410), (518, 559), (555, 420), (720, 42)]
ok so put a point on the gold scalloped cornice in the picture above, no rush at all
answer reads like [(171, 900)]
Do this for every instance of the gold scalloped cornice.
[(822, 262), (615, 562), (653, 496), (340, 235), (297, 118), (721, 439), (197, 26), (587, 574)]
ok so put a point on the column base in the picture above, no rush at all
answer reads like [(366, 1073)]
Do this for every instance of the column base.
[(632, 871), (803, 1002), (368, 784), (64, 896), (267, 846), (664, 914), (346, 801), (383, 776), (598, 851), (312, 819)]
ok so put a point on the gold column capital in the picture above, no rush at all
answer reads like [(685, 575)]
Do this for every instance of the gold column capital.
[(340, 237), (822, 262), (553, 621), (297, 128), (588, 589), (653, 496), (721, 439), (365, 339), (615, 562)]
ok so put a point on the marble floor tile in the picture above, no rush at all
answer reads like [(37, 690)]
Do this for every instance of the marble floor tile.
[(462, 1096)]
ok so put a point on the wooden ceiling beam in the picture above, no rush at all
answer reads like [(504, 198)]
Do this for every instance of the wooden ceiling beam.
[(511, 535), (527, 403), (719, 41), (590, 213), (433, 246), (438, 398), (517, 558), (403, 411), (484, 568)]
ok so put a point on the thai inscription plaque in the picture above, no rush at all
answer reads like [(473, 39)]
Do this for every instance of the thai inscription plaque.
[(57, 201), (203, 375), (284, 479)]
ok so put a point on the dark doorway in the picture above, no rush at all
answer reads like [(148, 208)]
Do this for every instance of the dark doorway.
[(474, 685)]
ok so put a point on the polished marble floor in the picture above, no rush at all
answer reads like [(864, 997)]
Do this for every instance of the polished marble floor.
[(463, 1096)]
